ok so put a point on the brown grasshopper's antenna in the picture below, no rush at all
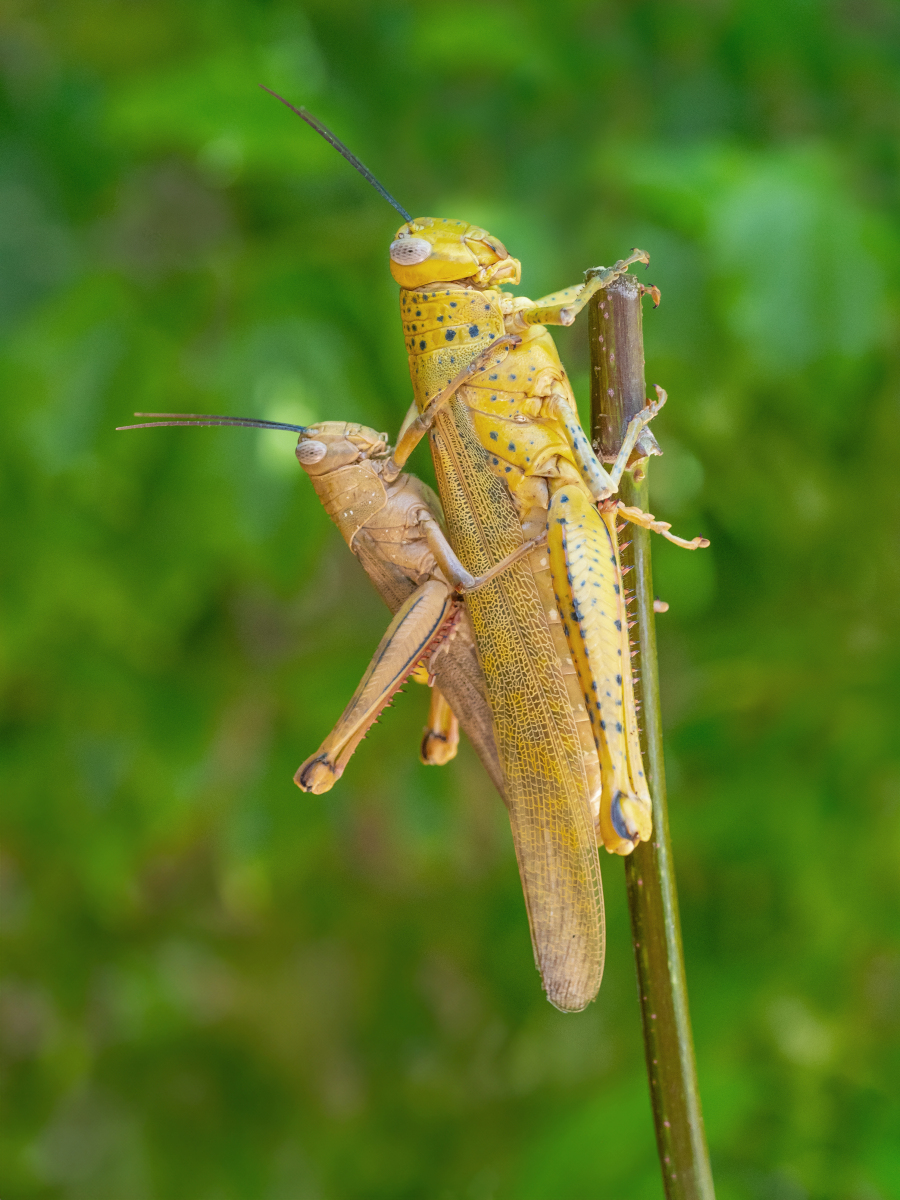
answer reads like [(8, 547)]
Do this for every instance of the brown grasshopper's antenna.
[(202, 419), (351, 158)]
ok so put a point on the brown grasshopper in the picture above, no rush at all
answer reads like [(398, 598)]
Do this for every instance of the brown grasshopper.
[(392, 523)]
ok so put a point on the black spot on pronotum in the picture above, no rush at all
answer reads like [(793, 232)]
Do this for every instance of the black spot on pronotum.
[(450, 335), (493, 435), (422, 344), (473, 331)]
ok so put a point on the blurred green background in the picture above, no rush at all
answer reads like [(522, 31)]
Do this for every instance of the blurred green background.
[(216, 987)]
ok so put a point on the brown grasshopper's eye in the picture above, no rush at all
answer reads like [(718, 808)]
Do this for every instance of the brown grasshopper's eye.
[(407, 251), (309, 452)]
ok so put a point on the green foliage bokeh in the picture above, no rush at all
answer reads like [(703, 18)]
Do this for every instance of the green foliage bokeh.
[(217, 988)]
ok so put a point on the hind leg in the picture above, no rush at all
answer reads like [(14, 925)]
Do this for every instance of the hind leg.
[(587, 581), (416, 627)]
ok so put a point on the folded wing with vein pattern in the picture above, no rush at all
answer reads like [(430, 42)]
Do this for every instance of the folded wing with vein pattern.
[(545, 783)]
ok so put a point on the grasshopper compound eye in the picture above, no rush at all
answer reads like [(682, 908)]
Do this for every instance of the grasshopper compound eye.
[(309, 452), (407, 251)]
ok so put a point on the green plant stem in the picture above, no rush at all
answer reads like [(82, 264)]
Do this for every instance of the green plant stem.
[(617, 393)]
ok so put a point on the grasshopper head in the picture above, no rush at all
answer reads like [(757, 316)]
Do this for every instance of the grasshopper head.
[(329, 445), (440, 250)]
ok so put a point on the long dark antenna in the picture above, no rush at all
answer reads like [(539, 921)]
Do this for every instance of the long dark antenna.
[(202, 419), (329, 137)]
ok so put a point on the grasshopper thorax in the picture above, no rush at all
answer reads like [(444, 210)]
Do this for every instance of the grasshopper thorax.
[(439, 250)]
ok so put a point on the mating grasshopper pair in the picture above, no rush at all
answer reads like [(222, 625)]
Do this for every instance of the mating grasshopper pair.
[(528, 642)]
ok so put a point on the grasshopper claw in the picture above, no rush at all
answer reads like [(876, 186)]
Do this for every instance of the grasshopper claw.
[(653, 406)]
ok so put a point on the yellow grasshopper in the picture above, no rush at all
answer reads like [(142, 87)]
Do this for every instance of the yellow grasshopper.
[(552, 632), (394, 529)]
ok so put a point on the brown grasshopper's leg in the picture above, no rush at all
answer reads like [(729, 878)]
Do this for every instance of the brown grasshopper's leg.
[(440, 736), (453, 568), (413, 431), (648, 521), (415, 628)]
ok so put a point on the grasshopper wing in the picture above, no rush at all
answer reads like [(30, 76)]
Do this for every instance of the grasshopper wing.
[(545, 783)]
